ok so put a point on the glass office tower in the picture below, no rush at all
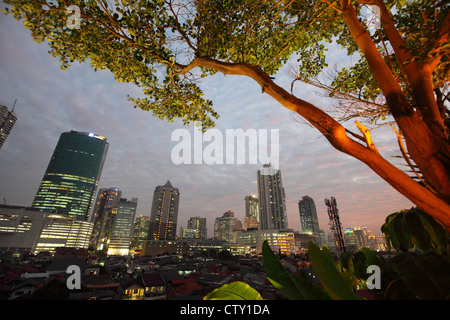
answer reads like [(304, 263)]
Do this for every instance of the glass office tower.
[(122, 232), (72, 176)]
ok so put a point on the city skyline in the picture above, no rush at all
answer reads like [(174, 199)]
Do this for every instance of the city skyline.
[(50, 101)]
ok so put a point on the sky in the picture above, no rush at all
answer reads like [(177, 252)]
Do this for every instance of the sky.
[(51, 101)]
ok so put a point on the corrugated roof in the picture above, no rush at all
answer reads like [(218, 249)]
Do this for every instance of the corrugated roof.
[(152, 279)]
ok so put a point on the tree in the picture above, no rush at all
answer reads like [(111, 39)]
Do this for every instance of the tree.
[(167, 47)]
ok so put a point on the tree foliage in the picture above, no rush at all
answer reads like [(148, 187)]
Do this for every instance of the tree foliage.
[(168, 47)]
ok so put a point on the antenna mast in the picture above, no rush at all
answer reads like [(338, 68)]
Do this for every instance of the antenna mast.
[(335, 224)]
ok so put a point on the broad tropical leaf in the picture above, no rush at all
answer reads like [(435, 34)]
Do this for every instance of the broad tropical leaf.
[(293, 287), (237, 290), (335, 285)]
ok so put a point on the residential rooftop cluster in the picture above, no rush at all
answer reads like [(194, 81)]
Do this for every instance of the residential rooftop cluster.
[(25, 276)]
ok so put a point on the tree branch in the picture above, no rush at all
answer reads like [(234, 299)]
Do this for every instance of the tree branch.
[(443, 35), (406, 157), (367, 136), (336, 135)]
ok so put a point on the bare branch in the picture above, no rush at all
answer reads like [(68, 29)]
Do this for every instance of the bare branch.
[(406, 157), (367, 136)]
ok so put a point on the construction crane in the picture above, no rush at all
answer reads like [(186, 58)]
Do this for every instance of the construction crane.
[(335, 225)]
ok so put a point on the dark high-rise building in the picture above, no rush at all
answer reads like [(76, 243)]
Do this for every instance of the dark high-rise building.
[(7, 121), (252, 207), (72, 175), (251, 219), (272, 203), (308, 218), (104, 216), (140, 232), (164, 214)]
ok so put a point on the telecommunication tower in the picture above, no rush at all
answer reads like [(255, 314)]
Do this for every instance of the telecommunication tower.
[(335, 224)]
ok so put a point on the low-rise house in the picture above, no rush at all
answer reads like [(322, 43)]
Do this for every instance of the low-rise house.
[(154, 285), (131, 289), (25, 289), (94, 295), (100, 282)]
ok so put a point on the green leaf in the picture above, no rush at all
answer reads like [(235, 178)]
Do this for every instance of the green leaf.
[(237, 290), (293, 287), (409, 228), (426, 275), (415, 227), (335, 285), (436, 232)]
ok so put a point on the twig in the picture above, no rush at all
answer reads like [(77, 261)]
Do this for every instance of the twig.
[(405, 156)]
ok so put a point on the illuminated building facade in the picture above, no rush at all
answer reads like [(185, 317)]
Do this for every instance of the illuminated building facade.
[(104, 216), (272, 199), (72, 176), (7, 121), (59, 231), (19, 227), (282, 241), (191, 246), (28, 229), (123, 227), (164, 213)]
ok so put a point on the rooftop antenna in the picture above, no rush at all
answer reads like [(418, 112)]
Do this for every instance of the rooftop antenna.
[(12, 110)]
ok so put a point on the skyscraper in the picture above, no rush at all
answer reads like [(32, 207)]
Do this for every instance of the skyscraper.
[(272, 203), (104, 216), (72, 175), (164, 214), (123, 227), (308, 218), (7, 121)]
